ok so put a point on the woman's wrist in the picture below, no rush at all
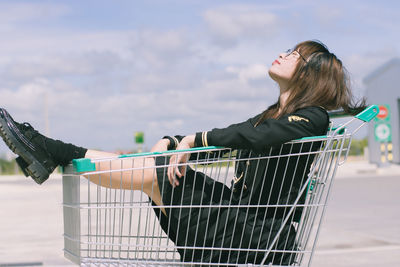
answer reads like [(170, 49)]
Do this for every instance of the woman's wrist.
[(165, 142), (172, 142), (161, 145), (189, 140)]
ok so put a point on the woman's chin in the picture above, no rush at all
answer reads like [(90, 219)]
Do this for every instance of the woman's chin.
[(273, 75)]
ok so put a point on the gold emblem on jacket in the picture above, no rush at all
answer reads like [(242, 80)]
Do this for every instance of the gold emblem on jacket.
[(297, 118), (237, 179)]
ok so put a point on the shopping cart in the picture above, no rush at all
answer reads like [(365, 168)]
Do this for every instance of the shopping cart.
[(121, 227)]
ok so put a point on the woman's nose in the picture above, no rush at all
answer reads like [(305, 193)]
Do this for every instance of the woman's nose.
[(282, 55)]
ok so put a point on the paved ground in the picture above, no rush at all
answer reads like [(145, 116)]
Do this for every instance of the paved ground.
[(361, 227), (362, 224)]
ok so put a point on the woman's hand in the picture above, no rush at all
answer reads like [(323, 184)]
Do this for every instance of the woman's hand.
[(181, 158), (161, 145)]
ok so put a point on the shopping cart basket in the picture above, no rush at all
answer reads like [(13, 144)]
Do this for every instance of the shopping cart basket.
[(274, 222)]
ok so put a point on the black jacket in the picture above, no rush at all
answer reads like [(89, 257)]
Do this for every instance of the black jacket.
[(309, 121), (277, 178)]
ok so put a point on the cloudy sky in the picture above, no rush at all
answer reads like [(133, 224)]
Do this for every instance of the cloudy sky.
[(103, 70)]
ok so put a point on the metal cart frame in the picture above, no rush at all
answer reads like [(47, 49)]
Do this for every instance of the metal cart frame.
[(115, 227)]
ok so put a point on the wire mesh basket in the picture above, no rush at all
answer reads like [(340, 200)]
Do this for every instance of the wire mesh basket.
[(227, 217)]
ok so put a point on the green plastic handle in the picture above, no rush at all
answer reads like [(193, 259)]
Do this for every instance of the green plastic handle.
[(368, 114), (83, 165), (168, 152), (86, 165)]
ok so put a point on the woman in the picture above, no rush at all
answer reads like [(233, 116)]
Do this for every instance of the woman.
[(311, 80)]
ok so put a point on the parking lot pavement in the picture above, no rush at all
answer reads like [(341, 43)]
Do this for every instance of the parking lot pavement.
[(362, 223), (361, 226), (362, 169), (31, 224)]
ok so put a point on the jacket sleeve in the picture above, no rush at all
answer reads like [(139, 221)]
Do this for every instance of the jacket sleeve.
[(310, 121), (176, 139), (173, 141)]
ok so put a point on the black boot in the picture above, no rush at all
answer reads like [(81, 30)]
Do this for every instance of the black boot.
[(38, 155)]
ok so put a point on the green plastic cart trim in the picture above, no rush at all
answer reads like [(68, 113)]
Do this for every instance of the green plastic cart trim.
[(168, 152), (341, 130), (312, 137), (83, 165), (368, 114), (86, 165)]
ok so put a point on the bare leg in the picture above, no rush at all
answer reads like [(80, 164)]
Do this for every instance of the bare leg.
[(143, 178)]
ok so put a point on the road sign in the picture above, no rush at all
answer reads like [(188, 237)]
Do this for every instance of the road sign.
[(139, 137), (384, 113), (383, 132)]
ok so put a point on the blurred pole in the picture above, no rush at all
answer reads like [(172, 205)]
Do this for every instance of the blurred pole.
[(46, 114), (16, 168)]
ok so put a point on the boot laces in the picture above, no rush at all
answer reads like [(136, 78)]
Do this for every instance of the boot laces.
[(28, 127)]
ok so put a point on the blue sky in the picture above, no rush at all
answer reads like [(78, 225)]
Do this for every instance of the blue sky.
[(109, 68)]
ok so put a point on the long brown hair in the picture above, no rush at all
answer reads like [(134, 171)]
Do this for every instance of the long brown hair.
[(319, 80)]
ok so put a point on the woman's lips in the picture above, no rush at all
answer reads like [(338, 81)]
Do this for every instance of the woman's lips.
[(276, 62)]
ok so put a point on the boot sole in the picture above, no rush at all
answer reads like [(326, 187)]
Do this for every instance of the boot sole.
[(34, 167), (22, 165)]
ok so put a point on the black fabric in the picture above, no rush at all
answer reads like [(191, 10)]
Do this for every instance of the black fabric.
[(63, 153), (172, 142), (276, 179), (215, 227), (309, 121)]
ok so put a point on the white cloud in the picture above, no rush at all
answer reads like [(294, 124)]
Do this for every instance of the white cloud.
[(250, 72), (329, 15), (85, 63), (158, 49), (165, 126), (27, 97), (12, 14), (362, 64), (231, 24), (34, 46)]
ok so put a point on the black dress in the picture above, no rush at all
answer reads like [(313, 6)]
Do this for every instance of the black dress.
[(212, 230)]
